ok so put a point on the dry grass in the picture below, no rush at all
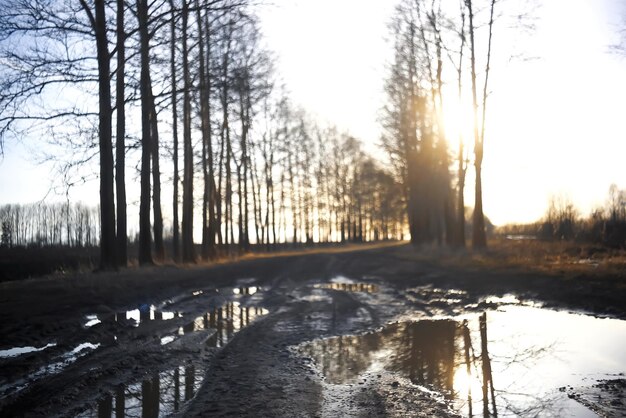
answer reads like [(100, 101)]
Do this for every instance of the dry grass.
[(563, 258)]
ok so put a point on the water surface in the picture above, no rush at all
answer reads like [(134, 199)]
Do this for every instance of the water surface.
[(519, 364)]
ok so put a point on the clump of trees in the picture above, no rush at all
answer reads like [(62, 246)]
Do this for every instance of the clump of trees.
[(185, 91), (436, 46), (605, 225)]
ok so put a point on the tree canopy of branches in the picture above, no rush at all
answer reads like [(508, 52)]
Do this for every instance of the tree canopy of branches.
[(256, 168)]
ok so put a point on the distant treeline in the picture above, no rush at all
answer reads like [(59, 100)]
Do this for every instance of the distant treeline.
[(605, 225), (49, 224)]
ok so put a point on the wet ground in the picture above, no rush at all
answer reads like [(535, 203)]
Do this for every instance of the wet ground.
[(315, 335)]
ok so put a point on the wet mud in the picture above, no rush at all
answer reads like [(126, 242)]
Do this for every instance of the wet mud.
[(144, 361), (350, 334)]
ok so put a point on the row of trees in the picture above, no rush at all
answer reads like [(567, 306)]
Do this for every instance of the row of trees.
[(60, 224), (195, 73), (437, 46), (196, 78)]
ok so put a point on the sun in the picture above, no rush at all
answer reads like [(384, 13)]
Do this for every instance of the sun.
[(458, 121)]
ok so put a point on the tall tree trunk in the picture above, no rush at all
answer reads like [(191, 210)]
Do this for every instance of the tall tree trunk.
[(462, 169), (176, 231), (225, 147), (108, 255), (159, 247), (208, 233), (245, 161), (479, 239), (292, 191), (257, 207), (240, 226), (220, 183), (229, 190), (460, 239), (187, 230), (213, 197), (145, 250), (120, 147), (273, 203)]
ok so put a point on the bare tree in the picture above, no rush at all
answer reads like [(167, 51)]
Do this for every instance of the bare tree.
[(120, 143), (97, 18), (145, 237), (188, 252), (479, 238), (174, 87)]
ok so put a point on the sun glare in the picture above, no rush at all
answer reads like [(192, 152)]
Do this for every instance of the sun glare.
[(458, 122), (465, 384)]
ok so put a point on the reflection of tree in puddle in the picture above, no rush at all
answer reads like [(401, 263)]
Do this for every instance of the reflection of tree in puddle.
[(441, 354), (166, 392), (227, 320), (426, 352), (163, 393), (422, 351)]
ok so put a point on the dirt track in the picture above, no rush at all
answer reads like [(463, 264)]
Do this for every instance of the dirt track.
[(259, 370)]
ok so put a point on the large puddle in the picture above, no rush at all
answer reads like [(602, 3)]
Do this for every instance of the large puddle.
[(520, 361)]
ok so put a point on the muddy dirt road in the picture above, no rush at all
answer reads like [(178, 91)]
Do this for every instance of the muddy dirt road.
[(362, 331)]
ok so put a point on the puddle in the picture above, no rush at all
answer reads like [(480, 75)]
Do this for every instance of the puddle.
[(9, 388), (349, 287), (166, 392), (160, 395), (249, 290), (91, 321), (229, 320), (18, 351), (143, 313), (214, 328), (226, 321), (530, 354)]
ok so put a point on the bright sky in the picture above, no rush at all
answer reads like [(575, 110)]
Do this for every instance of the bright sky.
[(556, 123)]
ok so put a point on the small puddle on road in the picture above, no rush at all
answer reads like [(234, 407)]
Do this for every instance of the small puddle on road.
[(249, 290), (166, 392), (10, 387), (349, 287), (532, 354), (226, 320), (159, 395), (18, 351), (141, 314)]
